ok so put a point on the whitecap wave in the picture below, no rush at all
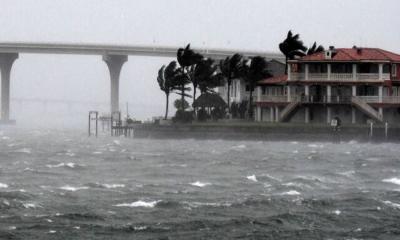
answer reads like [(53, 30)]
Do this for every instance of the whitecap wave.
[(200, 184), (337, 212), (113, 185), (291, 192), (73, 189), (69, 164), (3, 185), (150, 204), (316, 145), (392, 180), (392, 204), (252, 178), (24, 150)]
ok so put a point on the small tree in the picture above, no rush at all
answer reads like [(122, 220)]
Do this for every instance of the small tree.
[(179, 105), (166, 81), (254, 70), (230, 69)]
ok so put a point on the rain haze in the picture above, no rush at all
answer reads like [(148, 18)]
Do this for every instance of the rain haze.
[(251, 25), (285, 139)]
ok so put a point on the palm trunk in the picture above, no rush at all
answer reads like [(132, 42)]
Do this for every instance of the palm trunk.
[(166, 107), (251, 103), (229, 108), (183, 97)]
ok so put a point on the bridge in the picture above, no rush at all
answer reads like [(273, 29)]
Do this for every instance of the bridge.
[(113, 55)]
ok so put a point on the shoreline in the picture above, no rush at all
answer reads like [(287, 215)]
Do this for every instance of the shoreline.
[(268, 132)]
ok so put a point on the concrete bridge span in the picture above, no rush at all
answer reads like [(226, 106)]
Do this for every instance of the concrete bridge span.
[(113, 55)]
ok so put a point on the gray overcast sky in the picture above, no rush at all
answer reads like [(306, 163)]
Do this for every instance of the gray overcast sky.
[(250, 24)]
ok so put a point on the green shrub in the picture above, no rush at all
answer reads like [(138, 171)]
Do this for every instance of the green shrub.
[(183, 116)]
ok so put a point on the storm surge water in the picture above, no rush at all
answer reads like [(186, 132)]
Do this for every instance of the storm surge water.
[(64, 185)]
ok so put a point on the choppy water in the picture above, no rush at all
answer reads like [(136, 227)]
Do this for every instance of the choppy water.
[(64, 185)]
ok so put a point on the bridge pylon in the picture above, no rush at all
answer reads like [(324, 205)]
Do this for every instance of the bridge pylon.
[(115, 63), (6, 62)]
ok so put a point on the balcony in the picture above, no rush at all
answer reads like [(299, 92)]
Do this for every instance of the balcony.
[(340, 77), (385, 99)]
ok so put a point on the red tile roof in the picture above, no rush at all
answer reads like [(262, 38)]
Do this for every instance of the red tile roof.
[(354, 54), (274, 80)]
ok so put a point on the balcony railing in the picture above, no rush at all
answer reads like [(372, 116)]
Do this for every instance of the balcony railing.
[(345, 77), (325, 100), (385, 99)]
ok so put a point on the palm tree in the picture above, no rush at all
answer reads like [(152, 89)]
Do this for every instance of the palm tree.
[(292, 46), (314, 49), (206, 75), (254, 70), (166, 80), (230, 69), (188, 59)]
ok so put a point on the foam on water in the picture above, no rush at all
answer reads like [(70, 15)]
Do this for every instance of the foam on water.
[(24, 150), (113, 185), (291, 193), (392, 180), (73, 189), (392, 204), (200, 184), (3, 185), (252, 178), (150, 204)]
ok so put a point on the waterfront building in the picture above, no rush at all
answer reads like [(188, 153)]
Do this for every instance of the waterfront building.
[(354, 84)]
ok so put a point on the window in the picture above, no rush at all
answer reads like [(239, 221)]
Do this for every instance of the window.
[(394, 70), (247, 88), (263, 90)]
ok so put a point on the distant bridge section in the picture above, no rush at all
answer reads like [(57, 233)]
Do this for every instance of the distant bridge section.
[(113, 55), (137, 50)]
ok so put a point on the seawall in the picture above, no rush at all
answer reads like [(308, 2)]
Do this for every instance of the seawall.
[(278, 132)]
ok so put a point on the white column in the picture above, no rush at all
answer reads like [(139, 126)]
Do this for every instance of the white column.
[(380, 71), (353, 115), (271, 113), (380, 92), (306, 71), (114, 63), (354, 72), (288, 93), (258, 114), (329, 71), (328, 93), (258, 93), (381, 111), (277, 113), (289, 72), (328, 114), (354, 90), (306, 115), (306, 90)]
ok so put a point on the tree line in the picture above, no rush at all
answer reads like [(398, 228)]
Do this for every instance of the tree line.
[(192, 71)]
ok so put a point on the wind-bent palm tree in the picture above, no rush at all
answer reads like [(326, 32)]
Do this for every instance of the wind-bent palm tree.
[(292, 46), (166, 81), (206, 75), (230, 69), (314, 49), (188, 59), (254, 70)]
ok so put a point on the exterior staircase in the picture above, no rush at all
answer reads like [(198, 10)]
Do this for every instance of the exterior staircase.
[(366, 108), (288, 109)]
